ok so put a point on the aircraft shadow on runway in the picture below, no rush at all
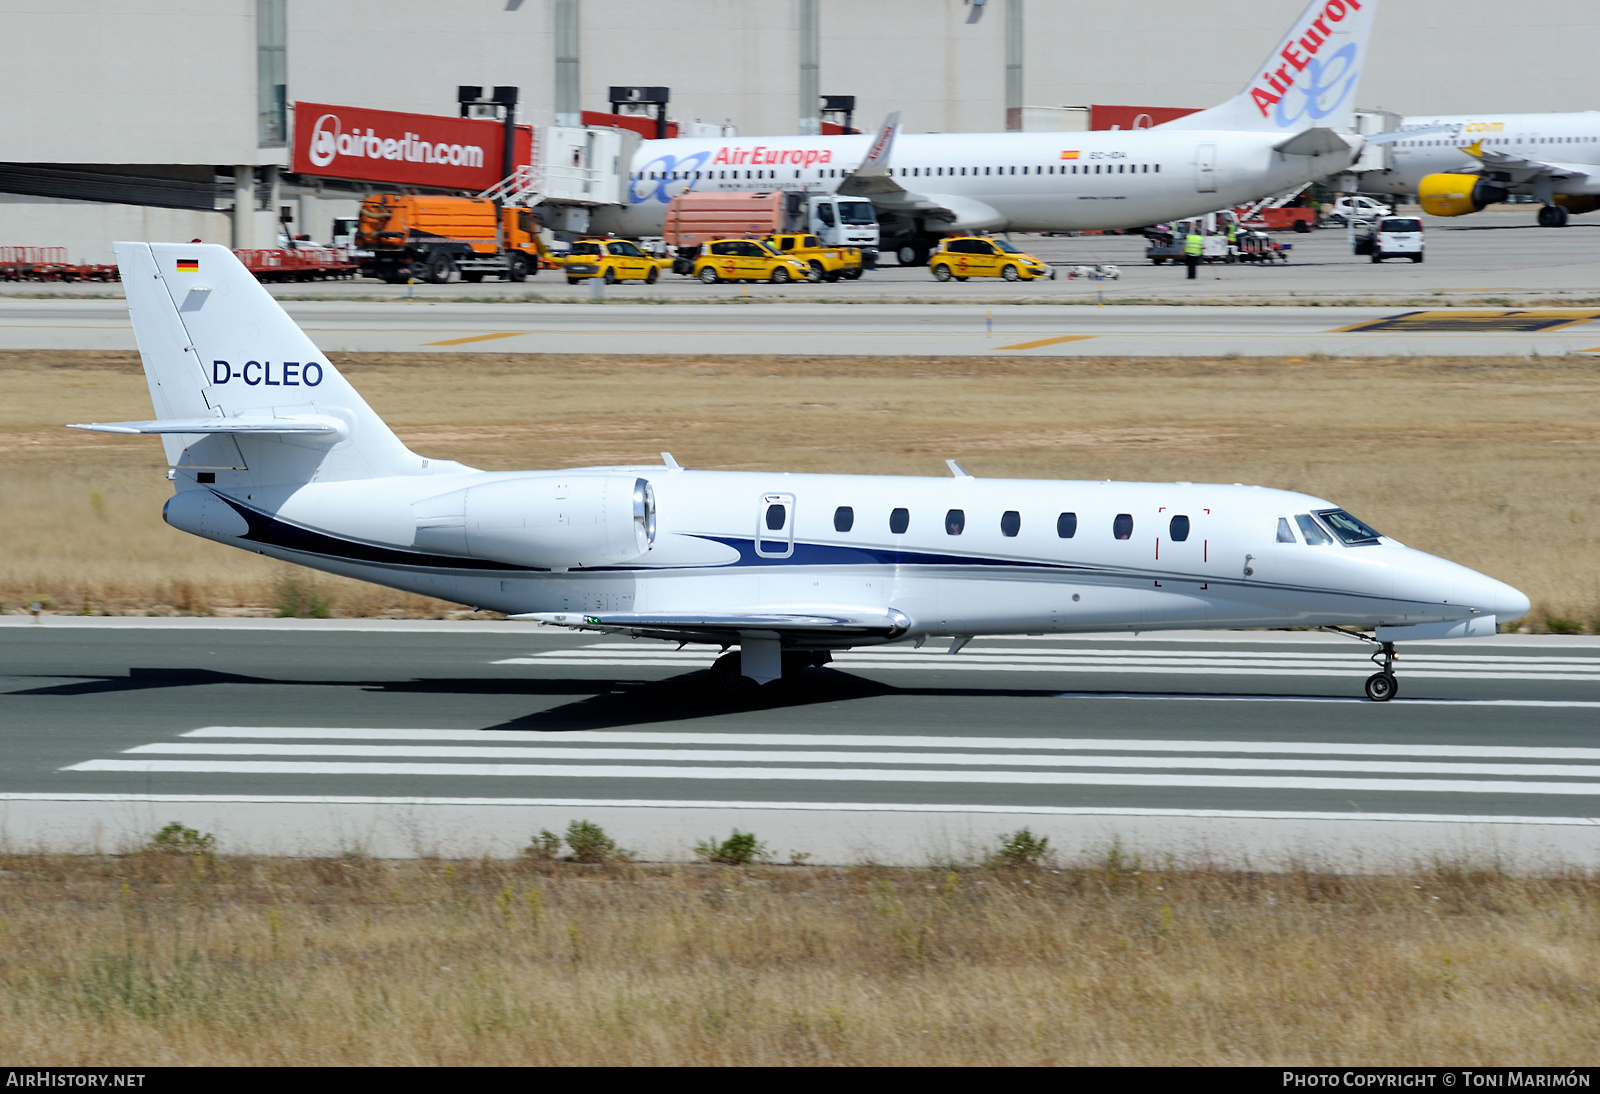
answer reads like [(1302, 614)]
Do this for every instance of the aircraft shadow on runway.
[(603, 704)]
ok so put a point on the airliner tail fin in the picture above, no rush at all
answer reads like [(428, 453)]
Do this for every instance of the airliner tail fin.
[(1307, 82)]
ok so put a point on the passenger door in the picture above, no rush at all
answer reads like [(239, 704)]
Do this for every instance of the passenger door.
[(775, 526), (1205, 168)]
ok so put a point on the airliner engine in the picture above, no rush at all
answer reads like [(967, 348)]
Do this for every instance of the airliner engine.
[(1457, 195), (554, 521)]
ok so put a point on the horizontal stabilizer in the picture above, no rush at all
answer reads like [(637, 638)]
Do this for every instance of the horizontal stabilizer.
[(1315, 142), (315, 424)]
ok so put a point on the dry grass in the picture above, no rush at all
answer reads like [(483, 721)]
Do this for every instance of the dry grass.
[(181, 959), (1490, 462)]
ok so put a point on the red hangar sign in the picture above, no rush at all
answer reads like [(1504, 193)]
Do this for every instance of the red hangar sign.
[(350, 142)]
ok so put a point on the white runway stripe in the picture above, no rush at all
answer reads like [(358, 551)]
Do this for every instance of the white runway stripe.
[(580, 741), (956, 664), (697, 755), (832, 775)]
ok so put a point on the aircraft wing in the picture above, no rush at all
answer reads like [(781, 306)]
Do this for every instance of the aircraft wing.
[(728, 628), (1521, 168)]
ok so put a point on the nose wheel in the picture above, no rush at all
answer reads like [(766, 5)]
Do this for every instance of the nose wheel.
[(1382, 685)]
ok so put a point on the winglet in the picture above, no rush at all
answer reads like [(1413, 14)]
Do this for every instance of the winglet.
[(666, 458), (877, 159), (1475, 149), (957, 470)]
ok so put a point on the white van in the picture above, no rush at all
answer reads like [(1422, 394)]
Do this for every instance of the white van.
[(1389, 237)]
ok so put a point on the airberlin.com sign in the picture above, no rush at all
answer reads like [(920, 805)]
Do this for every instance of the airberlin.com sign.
[(349, 142)]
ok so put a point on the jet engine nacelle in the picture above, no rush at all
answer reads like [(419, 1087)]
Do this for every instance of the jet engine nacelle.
[(1446, 195), (547, 521)]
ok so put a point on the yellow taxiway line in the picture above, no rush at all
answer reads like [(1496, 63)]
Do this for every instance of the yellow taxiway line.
[(1049, 341), (479, 338)]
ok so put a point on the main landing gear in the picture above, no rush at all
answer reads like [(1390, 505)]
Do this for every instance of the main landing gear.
[(728, 678)]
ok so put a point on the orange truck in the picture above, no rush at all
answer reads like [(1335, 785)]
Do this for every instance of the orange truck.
[(404, 236)]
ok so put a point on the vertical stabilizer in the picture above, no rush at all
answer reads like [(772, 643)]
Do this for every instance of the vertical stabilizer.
[(215, 344), (1309, 79)]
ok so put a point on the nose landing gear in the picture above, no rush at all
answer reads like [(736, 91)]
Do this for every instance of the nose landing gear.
[(1382, 685)]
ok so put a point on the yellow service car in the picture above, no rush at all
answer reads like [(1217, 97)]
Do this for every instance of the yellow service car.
[(962, 257), (611, 260), (827, 263), (745, 260)]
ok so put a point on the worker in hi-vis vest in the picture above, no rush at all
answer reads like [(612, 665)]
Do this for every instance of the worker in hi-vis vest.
[(1194, 244)]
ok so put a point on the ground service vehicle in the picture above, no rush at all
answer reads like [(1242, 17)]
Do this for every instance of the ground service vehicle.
[(745, 260), (827, 263), (836, 221), (429, 238), (1357, 207), (962, 257), (611, 260), (1388, 237)]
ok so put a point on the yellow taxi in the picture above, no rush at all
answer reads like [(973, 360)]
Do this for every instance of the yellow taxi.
[(962, 257), (611, 260), (745, 260)]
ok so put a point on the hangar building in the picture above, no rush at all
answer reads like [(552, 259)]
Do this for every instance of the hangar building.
[(171, 119)]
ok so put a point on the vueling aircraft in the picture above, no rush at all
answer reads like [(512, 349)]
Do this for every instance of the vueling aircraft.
[(1459, 165), (272, 451), (1289, 126)]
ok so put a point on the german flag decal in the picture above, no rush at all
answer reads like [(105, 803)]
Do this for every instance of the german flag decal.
[(188, 265)]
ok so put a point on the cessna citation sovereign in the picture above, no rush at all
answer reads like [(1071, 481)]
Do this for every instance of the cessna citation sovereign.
[(273, 451), (1289, 126)]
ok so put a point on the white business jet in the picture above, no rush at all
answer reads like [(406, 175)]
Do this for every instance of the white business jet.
[(272, 451), (1288, 127)]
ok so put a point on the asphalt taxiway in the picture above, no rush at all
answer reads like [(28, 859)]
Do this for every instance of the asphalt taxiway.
[(465, 738), (872, 329)]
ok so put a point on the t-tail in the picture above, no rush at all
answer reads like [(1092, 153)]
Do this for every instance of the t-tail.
[(242, 397), (1309, 79)]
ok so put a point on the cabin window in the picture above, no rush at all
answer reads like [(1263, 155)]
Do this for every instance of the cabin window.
[(985, 170), (1122, 527), (955, 522), (1067, 525), (1311, 531), (1179, 529), (1024, 170), (1120, 168), (776, 515), (844, 518), (899, 521), (1285, 533), (1158, 169), (1010, 523), (1097, 168)]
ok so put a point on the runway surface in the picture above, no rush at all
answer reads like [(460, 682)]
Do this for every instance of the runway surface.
[(479, 733), (876, 329)]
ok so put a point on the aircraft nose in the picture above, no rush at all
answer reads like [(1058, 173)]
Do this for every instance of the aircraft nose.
[(1493, 597)]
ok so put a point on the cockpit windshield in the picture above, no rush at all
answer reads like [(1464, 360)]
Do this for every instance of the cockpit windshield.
[(1349, 530)]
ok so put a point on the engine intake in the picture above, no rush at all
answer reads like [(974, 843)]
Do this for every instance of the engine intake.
[(547, 521), (1445, 195)]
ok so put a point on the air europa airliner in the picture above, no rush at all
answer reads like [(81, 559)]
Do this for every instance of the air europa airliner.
[(272, 451), (1289, 126)]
